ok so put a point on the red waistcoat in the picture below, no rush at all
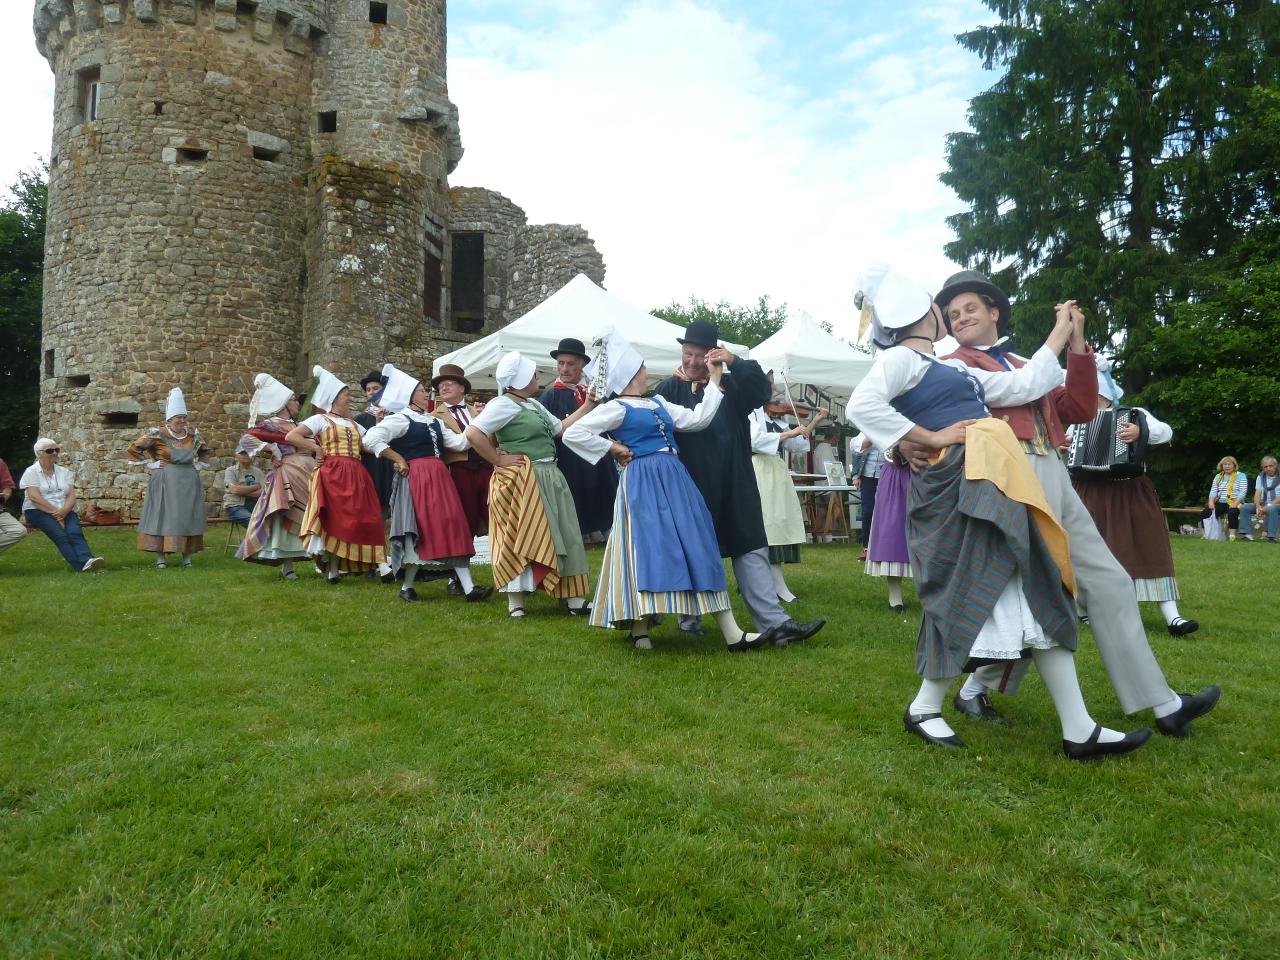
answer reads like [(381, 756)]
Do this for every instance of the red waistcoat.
[(1077, 402)]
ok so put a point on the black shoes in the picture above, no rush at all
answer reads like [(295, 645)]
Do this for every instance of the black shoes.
[(980, 708), (1091, 749), (478, 593), (454, 588), (897, 607), (791, 631), (1178, 723), (409, 594), (755, 643), (582, 611), (1181, 626), (915, 724)]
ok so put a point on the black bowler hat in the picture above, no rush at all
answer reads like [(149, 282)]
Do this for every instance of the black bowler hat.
[(373, 377), (701, 333), (570, 345), (971, 281)]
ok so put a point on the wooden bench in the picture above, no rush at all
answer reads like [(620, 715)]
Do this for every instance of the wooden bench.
[(1174, 515)]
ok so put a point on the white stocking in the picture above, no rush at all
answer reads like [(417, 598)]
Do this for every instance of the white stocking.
[(1169, 610), (410, 574), (929, 700), (895, 591), (515, 601), (464, 578), (1057, 668), (333, 567), (576, 603), (780, 583)]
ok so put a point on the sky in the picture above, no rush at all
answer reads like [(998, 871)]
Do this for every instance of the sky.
[(723, 149)]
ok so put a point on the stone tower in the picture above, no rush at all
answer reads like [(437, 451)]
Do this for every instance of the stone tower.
[(245, 185)]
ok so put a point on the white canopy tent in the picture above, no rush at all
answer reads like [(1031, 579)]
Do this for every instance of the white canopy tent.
[(578, 309), (803, 353)]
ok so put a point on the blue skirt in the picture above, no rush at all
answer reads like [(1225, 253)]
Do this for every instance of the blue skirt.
[(662, 555)]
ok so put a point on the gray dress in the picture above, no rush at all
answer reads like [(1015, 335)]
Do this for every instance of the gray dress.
[(173, 516)]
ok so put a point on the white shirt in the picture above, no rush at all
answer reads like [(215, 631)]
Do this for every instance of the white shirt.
[(394, 426), (898, 369), (500, 411), (55, 489), (763, 440), (583, 437), (318, 423)]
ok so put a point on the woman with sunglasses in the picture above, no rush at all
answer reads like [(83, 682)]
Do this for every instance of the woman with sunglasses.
[(50, 504)]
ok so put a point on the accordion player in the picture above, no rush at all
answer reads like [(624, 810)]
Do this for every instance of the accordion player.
[(1096, 449)]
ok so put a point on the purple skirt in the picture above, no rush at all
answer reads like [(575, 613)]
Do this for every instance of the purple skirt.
[(888, 542)]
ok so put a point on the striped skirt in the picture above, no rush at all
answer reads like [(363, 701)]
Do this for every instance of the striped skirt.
[(533, 532), (272, 537), (662, 535)]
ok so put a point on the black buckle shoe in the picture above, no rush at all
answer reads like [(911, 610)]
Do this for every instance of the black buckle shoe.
[(1091, 749), (743, 645), (478, 593), (409, 594), (1178, 723), (980, 708), (1182, 626), (792, 631), (915, 724)]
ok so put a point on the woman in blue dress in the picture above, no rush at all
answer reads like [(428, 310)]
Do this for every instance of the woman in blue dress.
[(662, 556)]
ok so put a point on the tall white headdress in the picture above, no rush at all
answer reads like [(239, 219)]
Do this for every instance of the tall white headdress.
[(269, 398), (399, 389), (896, 301), (327, 388), (614, 364), (1107, 387), (176, 405)]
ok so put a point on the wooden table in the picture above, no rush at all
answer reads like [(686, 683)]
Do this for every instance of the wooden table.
[(835, 506)]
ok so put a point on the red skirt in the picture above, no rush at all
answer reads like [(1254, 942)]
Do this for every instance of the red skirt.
[(439, 526), (344, 511)]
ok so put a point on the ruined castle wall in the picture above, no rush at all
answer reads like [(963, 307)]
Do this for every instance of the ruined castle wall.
[(173, 252), (477, 210), (544, 258), (384, 145)]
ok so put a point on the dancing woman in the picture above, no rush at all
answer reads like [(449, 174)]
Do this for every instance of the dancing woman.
[(274, 533), (771, 437), (173, 516), (990, 558), (662, 555), (428, 525), (533, 527), (343, 519)]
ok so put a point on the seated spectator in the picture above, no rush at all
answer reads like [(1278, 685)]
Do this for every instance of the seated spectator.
[(1226, 493), (1265, 505), (11, 529), (243, 483), (50, 504)]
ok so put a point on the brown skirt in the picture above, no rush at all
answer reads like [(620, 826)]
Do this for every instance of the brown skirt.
[(1127, 513)]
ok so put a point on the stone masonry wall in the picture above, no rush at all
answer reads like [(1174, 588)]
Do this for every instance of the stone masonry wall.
[(173, 254), (545, 258)]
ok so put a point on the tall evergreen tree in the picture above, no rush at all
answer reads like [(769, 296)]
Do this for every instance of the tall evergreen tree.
[(22, 218), (1097, 165)]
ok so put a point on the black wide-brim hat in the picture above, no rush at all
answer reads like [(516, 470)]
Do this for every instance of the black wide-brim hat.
[(570, 345), (971, 281), (701, 333), (373, 377)]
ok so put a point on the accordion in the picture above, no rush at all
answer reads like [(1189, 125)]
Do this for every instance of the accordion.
[(1097, 451)]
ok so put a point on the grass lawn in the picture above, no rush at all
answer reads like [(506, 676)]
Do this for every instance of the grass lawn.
[(215, 763)]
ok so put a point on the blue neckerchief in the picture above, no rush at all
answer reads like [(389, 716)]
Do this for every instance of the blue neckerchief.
[(1001, 351)]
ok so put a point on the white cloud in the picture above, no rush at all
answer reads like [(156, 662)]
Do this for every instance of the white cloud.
[(28, 109), (698, 172)]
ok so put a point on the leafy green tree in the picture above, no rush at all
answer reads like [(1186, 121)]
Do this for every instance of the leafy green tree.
[(1099, 165), (749, 326), (22, 218), (1218, 362)]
